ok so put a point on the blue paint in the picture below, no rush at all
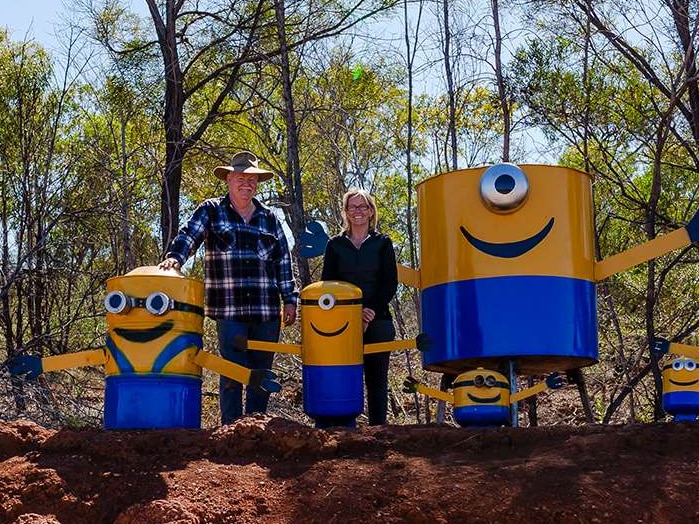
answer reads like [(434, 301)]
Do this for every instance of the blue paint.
[(333, 391), (503, 318), (483, 416), (683, 405), (137, 401), (179, 344), (120, 358)]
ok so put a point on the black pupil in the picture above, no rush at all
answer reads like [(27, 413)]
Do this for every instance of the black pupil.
[(157, 302), (114, 301), (504, 184)]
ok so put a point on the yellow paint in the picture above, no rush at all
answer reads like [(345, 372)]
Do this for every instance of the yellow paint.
[(333, 336), (464, 395), (675, 380), (452, 200), (95, 357), (140, 283)]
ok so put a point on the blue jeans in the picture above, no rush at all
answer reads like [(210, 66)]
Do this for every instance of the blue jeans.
[(232, 340)]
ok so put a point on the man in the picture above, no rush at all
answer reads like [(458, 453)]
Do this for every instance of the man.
[(247, 275)]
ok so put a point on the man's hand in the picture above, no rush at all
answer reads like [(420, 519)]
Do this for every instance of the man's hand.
[(660, 346), (289, 314), (264, 380), (28, 366), (169, 263), (410, 384)]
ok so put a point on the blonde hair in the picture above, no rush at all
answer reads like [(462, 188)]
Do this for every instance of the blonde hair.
[(368, 199)]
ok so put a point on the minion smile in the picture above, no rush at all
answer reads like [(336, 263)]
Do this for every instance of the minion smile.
[(481, 400), (329, 333), (508, 249), (145, 335), (678, 383)]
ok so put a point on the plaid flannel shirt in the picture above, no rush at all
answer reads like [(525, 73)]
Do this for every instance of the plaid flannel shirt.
[(246, 266)]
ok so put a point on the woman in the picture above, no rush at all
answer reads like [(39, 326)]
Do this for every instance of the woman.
[(364, 257)]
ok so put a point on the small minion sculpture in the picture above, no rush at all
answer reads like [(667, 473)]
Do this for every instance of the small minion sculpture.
[(332, 350), (508, 272), (681, 389), (680, 380), (482, 397), (153, 354)]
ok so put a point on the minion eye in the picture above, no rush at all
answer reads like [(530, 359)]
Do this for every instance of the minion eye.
[(504, 187), (116, 302), (677, 365), (479, 381), (690, 365), (157, 303), (326, 301), (490, 381)]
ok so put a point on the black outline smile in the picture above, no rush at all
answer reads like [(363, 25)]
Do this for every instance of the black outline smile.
[(145, 335), (481, 400), (508, 249), (690, 383), (326, 334)]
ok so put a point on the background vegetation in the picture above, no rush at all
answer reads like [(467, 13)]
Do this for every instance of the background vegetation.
[(107, 145)]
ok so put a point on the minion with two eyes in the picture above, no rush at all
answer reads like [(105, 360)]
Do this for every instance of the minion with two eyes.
[(153, 355), (482, 397), (680, 379), (332, 351)]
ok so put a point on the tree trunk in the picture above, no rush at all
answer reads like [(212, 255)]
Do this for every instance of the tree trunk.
[(292, 175)]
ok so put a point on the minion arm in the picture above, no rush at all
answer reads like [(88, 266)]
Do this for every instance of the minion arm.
[(274, 347), (223, 367), (553, 381), (394, 345), (636, 255), (435, 393), (529, 392), (261, 379), (94, 357), (408, 276)]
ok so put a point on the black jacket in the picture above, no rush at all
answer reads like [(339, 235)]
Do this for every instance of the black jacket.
[(372, 268)]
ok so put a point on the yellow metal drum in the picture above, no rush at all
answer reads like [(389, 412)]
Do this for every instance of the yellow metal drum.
[(507, 268)]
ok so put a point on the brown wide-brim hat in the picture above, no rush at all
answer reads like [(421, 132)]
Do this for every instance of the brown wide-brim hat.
[(243, 162)]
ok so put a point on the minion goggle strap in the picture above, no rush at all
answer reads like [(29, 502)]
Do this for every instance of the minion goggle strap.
[(156, 304), (480, 381), (328, 301)]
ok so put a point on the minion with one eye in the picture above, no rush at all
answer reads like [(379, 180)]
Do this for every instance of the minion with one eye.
[(332, 351), (680, 379), (153, 355), (482, 397), (508, 272)]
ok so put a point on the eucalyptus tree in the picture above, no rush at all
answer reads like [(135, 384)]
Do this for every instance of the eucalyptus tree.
[(616, 88), (212, 53), (54, 256)]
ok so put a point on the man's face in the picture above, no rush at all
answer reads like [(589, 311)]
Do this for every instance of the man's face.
[(242, 185)]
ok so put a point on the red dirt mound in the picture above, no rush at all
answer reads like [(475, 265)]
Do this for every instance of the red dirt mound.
[(264, 469)]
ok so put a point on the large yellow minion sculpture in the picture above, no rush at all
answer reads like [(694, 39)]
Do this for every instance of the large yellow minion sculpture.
[(153, 356), (508, 272), (482, 397), (332, 350)]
